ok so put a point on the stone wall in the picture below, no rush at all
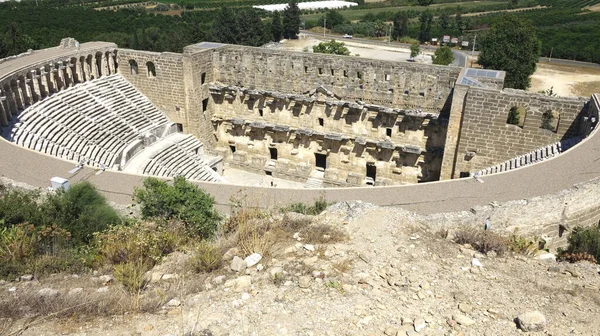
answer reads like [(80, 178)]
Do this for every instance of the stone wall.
[(550, 218), (164, 87), (485, 137), (394, 84)]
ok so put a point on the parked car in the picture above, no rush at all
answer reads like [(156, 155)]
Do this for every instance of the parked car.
[(347, 36)]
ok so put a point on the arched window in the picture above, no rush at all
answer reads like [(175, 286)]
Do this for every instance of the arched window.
[(550, 120), (151, 69), (133, 67), (516, 116)]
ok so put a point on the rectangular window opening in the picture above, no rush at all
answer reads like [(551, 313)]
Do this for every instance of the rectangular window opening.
[(332, 72), (388, 132), (305, 69), (260, 112), (232, 148), (387, 77), (320, 71), (179, 127), (203, 78), (345, 73), (359, 75), (321, 121), (204, 105)]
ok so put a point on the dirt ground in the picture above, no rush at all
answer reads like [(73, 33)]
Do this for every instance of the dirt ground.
[(379, 52), (566, 80)]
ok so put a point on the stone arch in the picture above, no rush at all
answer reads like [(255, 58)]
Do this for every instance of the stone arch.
[(516, 116), (550, 120), (151, 69), (90, 67), (133, 67)]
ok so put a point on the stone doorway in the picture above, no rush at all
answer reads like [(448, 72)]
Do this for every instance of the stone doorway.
[(273, 152), (321, 161), (371, 170)]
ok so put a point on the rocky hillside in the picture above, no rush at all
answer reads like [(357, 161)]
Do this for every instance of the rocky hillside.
[(393, 275)]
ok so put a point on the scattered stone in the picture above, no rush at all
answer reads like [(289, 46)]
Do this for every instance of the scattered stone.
[(476, 263), (260, 267), (491, 254), (47, 292), (106, 279), (554, 269), (238, 264), (102, 290), (155, 277), (309, 247), (12, 289), (219, 279), (419, 324), (252, 259), (174, 303), (232, 252), (391, 331), (276, 271), (240, 284), (75, 291), (463, 320), (451, 323), (531, 321), (547, 256), (289, 250), (26, 277), (245, 296), (304, 282), (170, 276), (465, 308)]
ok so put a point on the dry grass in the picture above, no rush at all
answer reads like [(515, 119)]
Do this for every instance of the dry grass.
[(322, 234), (206, 257), (482, 241), (342, 266), (586, 89), (577, 69)]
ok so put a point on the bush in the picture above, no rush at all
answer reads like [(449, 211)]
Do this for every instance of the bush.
[(19, 206), (206, 257), (81, 210), (319, 206), (322, 234), (181, 201), (132, 275), (482, 241), (583, 241)]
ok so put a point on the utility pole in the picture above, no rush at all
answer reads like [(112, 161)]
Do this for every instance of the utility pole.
[(474, 41), (324, 25), (550, 58), (389, 32)]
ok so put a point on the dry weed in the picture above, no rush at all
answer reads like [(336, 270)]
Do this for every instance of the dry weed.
[(322, 234), (482, 241), (342, 266)]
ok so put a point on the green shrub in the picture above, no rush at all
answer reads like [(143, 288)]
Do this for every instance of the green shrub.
[(20, 206), (81, 210), (182, 201), (584, 240), (319, 206)]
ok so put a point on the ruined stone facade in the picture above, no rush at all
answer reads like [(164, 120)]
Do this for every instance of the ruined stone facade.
[(343, 120)]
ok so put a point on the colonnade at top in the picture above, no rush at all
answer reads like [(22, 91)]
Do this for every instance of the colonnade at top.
[(29, 86)]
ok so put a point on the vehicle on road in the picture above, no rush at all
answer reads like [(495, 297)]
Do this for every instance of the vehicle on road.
[(347, 36)]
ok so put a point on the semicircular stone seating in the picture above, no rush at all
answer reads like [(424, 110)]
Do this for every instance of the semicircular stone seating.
[(93, 122)]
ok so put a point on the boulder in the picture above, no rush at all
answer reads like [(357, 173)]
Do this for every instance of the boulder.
[(463, 320), (47, 292), (238, 264), (531, 321), (252, 259)]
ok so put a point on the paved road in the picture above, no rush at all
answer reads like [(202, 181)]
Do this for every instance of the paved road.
[(577, 165)]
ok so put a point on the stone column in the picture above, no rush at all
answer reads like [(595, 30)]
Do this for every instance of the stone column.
[(35, 87), (71, 73), (28, 93), (12, 104), (94, 68), (111, 64), (52, 77), (105, 70), (61, 75), (18, 95), (44, 83), (81, 71), (4, 113)]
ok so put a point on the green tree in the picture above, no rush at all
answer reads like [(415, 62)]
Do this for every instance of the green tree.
[(15, 42), (415, 49), (443, 56), (251, 30), (276, 28), (182, 201), (291, 20), (459, 24), (332, 47), (444, 21), (511, 45), (425, 20), (225, 26), (333, 18), (379, 28), (424, 2)]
